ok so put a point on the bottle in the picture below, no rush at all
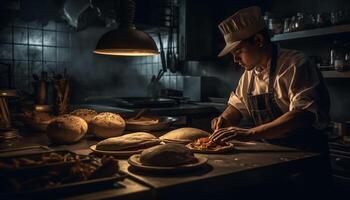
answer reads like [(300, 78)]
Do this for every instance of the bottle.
[(339, 63), (347, 61), (333, 52)]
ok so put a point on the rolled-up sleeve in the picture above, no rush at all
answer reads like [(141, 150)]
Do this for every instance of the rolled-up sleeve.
[(307, 92), (237, 99), (236, 102)]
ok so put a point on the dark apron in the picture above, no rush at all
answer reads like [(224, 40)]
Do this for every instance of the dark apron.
[(263, 108)]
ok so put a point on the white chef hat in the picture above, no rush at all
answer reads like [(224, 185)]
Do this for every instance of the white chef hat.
[(241, 25)]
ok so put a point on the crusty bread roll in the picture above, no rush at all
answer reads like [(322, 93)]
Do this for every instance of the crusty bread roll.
[(66, 129), (186, 134), (167, 155), (106, 125), (85, 114), (132, 141)]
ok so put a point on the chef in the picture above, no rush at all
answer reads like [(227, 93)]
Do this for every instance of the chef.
[(281, 91)]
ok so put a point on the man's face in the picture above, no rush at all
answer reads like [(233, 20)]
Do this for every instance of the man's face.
[(247, 55)]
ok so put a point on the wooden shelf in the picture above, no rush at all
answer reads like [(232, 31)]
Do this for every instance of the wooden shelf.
[(312, 32), (336, 74)]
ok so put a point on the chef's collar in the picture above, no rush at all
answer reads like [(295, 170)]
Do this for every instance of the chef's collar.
[(260, 71)]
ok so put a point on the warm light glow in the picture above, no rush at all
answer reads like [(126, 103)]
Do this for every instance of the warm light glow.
[(126, 52), (8, 93)]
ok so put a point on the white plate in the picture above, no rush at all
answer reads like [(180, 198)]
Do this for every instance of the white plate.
[(115, 153), (176, 141), (134, 161)]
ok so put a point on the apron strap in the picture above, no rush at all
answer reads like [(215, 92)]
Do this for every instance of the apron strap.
[(272, 71), (273, 67)]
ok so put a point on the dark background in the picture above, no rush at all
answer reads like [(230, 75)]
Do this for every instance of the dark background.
[(34, 37)]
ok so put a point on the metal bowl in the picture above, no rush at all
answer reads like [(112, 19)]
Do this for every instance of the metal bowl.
[(163, 124)]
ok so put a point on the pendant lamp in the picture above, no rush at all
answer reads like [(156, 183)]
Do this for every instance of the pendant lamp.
[(126, 40)]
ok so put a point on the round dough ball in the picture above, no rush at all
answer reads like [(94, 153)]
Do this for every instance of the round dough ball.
[(85, 114), (106, 125), (66, 129), (167, 155)]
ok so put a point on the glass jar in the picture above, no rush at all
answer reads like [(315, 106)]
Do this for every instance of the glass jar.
[(300, 23), (339, 63), (286, 25), (292, 24), (275, 25)]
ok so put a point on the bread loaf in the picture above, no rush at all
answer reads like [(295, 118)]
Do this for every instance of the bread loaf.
[(66, 129), (106, 125), (85, 114), (186, 134), (167, 155), (132, 141)]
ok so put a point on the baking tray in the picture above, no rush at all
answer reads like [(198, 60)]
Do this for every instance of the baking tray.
[(67, 189), (8, 161), (35, 183)]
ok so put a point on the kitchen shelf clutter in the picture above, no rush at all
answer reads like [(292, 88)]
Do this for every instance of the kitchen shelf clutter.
[(318, 32), (336, 74), (312, 32)]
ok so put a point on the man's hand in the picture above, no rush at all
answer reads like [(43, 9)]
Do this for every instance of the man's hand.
[(217, 123), (230, 133)]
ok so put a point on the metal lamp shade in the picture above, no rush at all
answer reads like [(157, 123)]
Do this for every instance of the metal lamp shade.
[(126, 42)]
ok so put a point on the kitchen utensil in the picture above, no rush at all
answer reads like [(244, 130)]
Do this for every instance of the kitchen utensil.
[(162, 59), (169, 54), (141, 112), (142, 102), (5, 117), (164, 123), (25, 148), (173, 62), (61, 93)]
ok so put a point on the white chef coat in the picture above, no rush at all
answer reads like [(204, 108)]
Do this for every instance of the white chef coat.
[(298, 85)]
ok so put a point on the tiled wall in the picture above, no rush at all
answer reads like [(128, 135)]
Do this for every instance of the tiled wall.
[(149, 66), (33, 47), (111, 75)]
